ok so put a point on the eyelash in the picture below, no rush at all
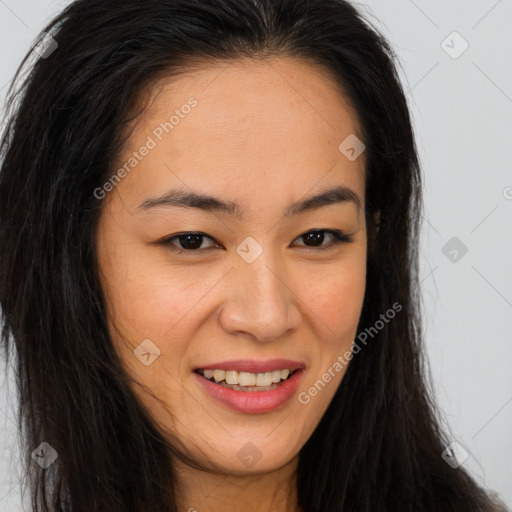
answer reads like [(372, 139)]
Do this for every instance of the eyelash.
[(339, 238)]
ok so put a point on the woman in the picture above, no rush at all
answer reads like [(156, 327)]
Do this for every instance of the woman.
[(273, 369)]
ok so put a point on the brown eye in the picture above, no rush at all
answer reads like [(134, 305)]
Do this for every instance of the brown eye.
[(314, 239), (192, 241), (189, 241)]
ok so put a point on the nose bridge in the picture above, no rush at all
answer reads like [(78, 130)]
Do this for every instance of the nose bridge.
[(260, 302)]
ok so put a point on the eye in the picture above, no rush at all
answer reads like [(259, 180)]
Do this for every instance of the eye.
[(317, 237), (191, 241)]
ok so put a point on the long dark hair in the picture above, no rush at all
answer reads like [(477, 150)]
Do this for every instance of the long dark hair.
[(378, 446)]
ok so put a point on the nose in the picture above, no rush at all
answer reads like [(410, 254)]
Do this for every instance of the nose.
[(260, 301)]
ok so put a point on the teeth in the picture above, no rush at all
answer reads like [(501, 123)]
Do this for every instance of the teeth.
[(264, 379), (247, 379), (231, 377), (219, 375), (276, 375)]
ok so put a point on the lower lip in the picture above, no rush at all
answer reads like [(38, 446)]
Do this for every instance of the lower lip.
[(253, 402)]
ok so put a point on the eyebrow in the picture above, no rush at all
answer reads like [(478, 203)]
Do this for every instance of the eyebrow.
[(187, 199)]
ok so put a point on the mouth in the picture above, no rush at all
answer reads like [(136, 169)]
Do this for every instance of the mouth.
[(247, 381), (250, 393)]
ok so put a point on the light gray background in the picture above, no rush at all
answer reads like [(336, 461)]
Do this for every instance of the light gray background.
[(462, 110)]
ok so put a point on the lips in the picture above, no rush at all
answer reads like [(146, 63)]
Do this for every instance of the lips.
[(252, 402), (253, 366)]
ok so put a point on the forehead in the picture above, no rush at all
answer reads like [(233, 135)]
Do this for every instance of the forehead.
[(275, 122), (272, 90)]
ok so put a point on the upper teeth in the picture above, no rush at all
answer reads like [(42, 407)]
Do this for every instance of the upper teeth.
[(246, 378)]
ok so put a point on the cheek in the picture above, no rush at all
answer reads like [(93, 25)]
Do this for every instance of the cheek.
[(149, 304), (157, 301), (337, 299)]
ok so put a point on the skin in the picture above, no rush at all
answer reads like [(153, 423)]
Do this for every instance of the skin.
[(264, 133)]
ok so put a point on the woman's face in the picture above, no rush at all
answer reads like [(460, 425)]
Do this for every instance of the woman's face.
[(256, 292)]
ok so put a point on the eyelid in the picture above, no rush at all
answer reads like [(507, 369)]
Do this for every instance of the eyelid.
[(340, 237), (167, 242)]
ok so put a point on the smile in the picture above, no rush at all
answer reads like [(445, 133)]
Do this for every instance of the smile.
[(250, 393), (247, 381)]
